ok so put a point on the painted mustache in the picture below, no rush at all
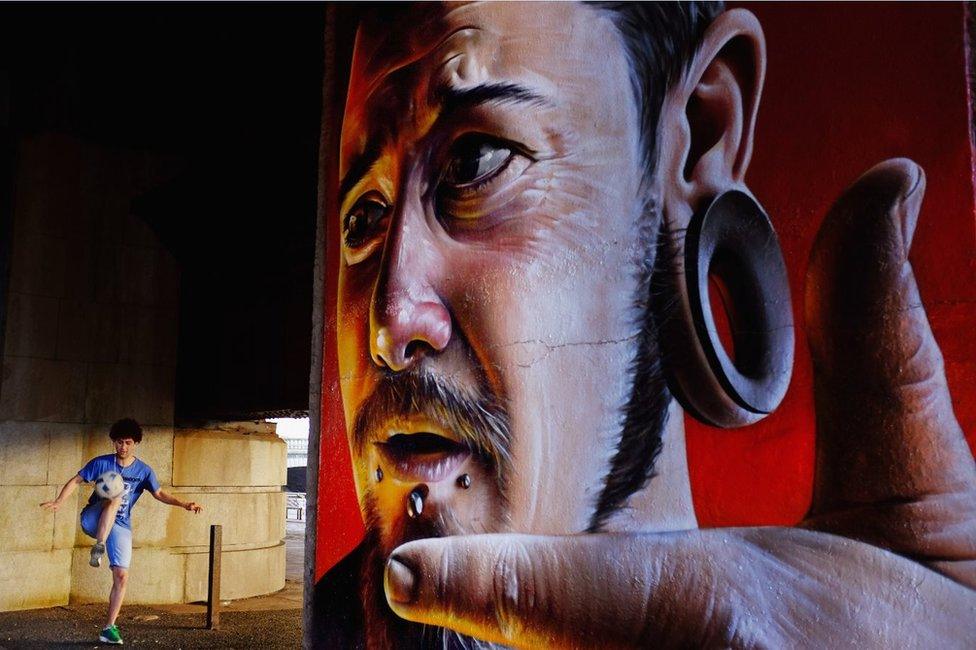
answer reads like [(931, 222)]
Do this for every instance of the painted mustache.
[(475, 417)]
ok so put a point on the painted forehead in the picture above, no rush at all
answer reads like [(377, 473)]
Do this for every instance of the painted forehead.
[(405, 56)]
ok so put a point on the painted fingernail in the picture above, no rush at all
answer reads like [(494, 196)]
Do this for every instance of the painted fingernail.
[(911, 206), (464, 481), (918, 178), (401, 584)]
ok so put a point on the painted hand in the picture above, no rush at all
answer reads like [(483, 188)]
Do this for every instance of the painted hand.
[(51, 505), (193, 507), (887, 555)]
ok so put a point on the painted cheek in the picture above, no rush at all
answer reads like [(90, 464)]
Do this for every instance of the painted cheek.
[(353, 325)]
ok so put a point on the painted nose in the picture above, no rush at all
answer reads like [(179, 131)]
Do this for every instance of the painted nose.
[(408, 318), (406, 331)]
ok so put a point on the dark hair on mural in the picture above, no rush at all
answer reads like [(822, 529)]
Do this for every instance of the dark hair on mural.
[(660, 39), (126, 428)]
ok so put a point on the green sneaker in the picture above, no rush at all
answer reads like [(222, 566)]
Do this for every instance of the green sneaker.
[(97, 551), (111, 635)]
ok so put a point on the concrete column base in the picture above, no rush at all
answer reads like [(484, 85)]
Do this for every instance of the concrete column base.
[(33, 579)]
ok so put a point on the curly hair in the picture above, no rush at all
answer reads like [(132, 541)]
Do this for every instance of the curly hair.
[(126, 428)]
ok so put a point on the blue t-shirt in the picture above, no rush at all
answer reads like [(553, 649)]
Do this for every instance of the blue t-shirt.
[(137, 477)]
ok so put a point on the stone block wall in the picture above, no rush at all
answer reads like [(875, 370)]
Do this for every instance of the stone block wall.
[(31, 456), (90, 337)]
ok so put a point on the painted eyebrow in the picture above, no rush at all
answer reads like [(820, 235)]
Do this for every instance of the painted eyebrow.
[(451, 100), (359, 168)]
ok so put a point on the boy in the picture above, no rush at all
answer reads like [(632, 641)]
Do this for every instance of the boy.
[(107, 521)]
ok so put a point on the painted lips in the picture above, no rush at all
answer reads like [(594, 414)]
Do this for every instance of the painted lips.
[(422, 456)]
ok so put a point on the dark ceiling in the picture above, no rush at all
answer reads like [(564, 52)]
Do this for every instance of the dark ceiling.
[(230, 96)]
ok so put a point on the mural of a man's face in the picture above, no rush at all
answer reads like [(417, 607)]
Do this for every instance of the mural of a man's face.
[(490, 166), (524, 206)]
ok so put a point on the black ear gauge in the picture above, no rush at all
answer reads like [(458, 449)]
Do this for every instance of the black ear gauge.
[(733, 241)]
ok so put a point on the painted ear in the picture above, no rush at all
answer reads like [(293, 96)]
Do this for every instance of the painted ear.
[(708, 117), (718, 239)]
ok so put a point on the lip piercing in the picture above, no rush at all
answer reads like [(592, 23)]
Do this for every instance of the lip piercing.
[(415, 501), (379, 474), (464, 481)]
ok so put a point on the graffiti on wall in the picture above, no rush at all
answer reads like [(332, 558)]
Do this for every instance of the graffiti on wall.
[(582, 389)]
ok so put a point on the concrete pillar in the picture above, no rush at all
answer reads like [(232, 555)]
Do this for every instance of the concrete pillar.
[(90, 336)]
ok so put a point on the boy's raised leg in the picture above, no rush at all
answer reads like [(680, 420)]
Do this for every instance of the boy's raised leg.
[(106, 519)]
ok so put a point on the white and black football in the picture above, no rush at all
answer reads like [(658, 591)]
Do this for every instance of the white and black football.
[(109, 485)]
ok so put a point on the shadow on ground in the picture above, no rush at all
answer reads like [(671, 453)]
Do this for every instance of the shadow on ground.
[(272, 622), (77, 627)]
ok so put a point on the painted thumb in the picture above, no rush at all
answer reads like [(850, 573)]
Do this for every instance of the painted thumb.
[(601, 590)]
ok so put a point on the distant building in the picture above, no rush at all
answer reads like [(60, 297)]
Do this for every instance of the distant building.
[(297, 452), (294, 431)]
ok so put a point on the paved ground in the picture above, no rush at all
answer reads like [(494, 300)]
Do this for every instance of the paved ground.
[(272, 622), (77, 627), (294, 550)]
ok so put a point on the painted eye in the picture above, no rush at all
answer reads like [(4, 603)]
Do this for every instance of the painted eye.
[(475, 158), (361, 222)]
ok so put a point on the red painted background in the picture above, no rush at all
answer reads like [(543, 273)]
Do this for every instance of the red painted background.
[(847, 86)]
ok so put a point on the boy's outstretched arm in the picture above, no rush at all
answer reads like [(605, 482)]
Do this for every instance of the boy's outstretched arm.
[(169, 499), (65, 492)]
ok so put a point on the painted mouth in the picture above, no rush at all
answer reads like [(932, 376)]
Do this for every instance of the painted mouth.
[(422, 456)]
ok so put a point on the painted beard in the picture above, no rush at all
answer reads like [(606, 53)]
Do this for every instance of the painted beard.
[(486, 424), (481, 424), (383, 628)]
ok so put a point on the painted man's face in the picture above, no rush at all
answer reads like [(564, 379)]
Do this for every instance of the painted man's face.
[(490, 166)]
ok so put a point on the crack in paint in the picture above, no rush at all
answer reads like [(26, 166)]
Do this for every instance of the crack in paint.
[(550, 347)]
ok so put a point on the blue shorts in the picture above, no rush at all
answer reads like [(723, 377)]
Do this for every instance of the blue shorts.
[(118, 545)]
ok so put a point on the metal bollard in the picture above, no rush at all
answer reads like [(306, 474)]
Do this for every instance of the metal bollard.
[(213, 583)]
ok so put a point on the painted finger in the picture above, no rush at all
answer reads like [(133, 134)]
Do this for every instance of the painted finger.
[(765, 587), (530, 591), (893, 467)]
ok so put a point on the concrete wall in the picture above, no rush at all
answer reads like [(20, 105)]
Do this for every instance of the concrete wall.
[(91, 336), (33, 456)]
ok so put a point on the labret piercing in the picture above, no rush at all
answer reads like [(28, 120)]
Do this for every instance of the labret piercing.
[(415, 500)]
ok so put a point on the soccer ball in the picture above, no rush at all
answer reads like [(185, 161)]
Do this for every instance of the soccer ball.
[(109, 485)]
